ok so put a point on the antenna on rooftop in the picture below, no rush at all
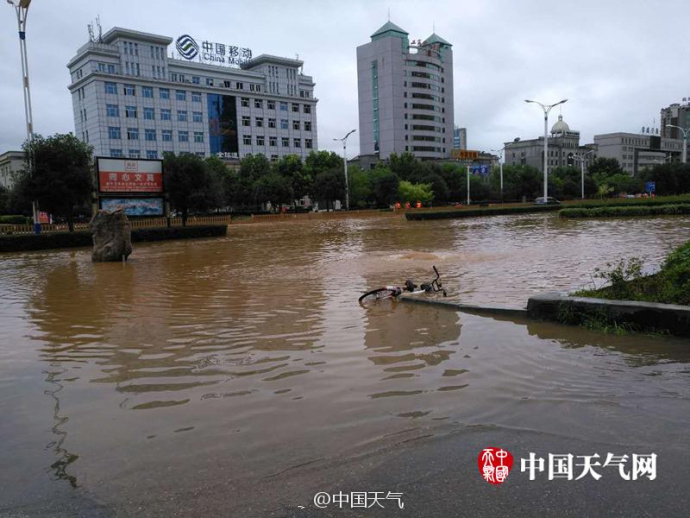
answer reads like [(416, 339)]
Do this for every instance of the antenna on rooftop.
[(90, 28), (100, 29), (389, 14)]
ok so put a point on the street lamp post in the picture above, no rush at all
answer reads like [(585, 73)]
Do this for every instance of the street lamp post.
[(347, 182), (581, 158), (685, 132), (547, 109), (22, 8), (500, 166)]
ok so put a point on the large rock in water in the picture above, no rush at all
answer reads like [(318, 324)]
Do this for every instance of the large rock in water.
[(112, 236)]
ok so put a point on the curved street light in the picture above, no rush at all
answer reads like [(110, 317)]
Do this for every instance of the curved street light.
[(685, 132), (347, 183), (547, 109), (581, 158)]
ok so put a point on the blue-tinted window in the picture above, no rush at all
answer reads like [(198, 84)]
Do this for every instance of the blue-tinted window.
[(197, 116), (132, 133), (149, 114), (114, 133), (183, 136), (196, 97), (111, 88), (166, 114), (198, 136), (166, 135), (151, 154), (116, 153), (150, 134), (134, 153), (283, 106), (180, 95), (131, 112), (165, 93), (130, 90), (182, 115), (112, 110), (146, 91)]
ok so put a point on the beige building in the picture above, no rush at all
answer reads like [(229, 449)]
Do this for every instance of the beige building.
[(11, 163)]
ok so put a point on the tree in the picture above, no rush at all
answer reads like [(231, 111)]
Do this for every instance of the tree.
[(607, 166), (330, 186), (384, 183), (300, 177), (406, 166), (671, 178), (361, 193), (189, 185), (4, 200), (58, 174), (220, 179), (273, 189), (414, 192)]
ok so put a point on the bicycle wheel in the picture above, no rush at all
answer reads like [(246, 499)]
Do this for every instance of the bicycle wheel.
[(380, 293)]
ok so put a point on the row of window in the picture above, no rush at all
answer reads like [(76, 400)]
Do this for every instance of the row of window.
[(245, 102), (132, 112), (260, 140), (134, 153), (147, 92), (284, 123), (196, 80), (181, 95), (151, 135)]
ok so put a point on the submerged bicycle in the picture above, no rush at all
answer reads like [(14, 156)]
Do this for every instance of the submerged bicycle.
[(392, 292)]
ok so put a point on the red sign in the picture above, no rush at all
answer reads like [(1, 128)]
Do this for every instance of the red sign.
[(131, 176), (495, 464)]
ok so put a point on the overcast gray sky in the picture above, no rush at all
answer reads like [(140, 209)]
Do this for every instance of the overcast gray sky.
[(617, 61)]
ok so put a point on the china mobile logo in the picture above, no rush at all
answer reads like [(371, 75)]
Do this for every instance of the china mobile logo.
[(187, 47), (495, 464)]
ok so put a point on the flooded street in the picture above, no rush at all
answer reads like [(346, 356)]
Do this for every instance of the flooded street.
[(240, 367)]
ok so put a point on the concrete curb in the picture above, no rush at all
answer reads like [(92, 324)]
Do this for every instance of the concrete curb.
[(649, 316), (497, 310)]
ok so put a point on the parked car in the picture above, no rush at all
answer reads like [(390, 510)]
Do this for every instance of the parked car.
[(550, 200)]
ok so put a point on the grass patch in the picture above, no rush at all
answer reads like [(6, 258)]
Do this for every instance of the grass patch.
[(473, 213), (629, 211)]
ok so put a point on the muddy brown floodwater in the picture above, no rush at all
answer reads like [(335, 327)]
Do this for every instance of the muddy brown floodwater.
[(217, 374)]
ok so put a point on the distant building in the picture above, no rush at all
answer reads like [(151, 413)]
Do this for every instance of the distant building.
[(459, 138), (131, 99), (405, 95), (563, 146), (11, 163), (677, 114), (636, 151)]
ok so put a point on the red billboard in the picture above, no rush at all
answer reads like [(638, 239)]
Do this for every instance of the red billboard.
[(119, 175)]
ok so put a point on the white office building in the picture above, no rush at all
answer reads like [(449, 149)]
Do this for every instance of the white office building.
[(133, 99), (11, 164)]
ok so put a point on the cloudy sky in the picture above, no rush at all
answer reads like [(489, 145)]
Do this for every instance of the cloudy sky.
[(617, 61)]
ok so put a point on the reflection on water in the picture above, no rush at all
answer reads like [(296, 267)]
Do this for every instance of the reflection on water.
[(247, 356)]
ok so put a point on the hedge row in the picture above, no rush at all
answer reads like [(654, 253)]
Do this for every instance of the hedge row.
[(15, 220), (52, 240), (621, 212), (636, 202), (471, 213)]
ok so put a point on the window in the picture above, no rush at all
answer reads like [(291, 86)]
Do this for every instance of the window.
[(165, 93), (271, 105), (246, 120), (112, 110), (150, 135), (247, 140), (209, 81), (183, 136), (111, 68), (295, 125), (182, 115), (307, 108), (274, 158), (197, 117), (134, 153), (259, 122), (166, 114), (283, 106), (116, 153), (260, 140), (166, 135), (149, 114), (101, 68), (308, 143), (196, 97), (111, 88), (129, 90), (132, 133), (283, 124), (151, 154), (295, 107), (271, 123), (196, 80), (258, 103), (296, 142), (273, 141), (147, 91), (245, 102), (180, 95), (131, 112), (307, 125), (285, 141), (240, 86), (198, 136), (114, 133)]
